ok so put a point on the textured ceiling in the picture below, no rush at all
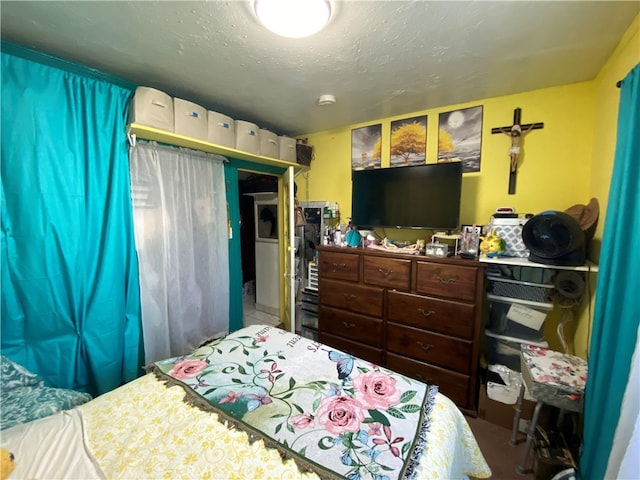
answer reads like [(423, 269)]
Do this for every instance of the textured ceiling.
[(379, 58)]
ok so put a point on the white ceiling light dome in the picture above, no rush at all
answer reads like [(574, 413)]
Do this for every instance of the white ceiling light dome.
[(293, 18)]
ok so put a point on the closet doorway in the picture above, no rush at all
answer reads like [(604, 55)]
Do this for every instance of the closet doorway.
[(260, 248)]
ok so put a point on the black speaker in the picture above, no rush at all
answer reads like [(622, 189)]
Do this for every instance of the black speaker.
[(554, 238)]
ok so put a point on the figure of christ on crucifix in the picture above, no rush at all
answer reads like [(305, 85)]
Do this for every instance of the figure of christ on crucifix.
[(516, 132)]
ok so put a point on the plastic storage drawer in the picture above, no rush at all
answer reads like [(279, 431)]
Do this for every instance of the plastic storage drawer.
[(517, 320), (309, 333), (308, 319), (505, 350), (506, 287)]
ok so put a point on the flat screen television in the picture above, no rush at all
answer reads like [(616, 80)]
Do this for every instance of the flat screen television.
[(422, 196)]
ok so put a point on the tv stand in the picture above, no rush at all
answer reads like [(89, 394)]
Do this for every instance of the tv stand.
[(417, 315)]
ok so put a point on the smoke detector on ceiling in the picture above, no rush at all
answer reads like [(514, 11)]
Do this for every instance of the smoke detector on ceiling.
[(325, 100)]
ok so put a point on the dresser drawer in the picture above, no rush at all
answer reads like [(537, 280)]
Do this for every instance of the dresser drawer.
[(450, 281), (351, 296), (442, 316), (453, 385), (428, 347), (341, 266), (351, 325), (387, 272), (371, 354)]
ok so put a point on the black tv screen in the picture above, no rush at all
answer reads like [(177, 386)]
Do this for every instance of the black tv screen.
[(422, 196)]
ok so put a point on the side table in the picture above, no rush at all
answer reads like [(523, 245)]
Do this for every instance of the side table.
[(552, 378)]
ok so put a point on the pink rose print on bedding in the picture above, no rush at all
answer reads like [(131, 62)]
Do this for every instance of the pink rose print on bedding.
[(340, 414), (303, 420), (376, 390), (187, 369)]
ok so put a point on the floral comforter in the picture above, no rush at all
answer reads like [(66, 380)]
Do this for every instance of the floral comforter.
[(334, 414), (25, 397)]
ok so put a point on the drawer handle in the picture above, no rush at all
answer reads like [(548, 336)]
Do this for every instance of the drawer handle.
[(423, 379), (348, 325), (426, 313), (385, 272), (447, 280), (339, 266), (349, 296), (426, 347)]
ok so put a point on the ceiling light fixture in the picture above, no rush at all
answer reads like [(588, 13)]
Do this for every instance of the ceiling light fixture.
[(293, 18)]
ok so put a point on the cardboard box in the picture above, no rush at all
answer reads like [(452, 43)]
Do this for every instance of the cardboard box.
[(500, 413)]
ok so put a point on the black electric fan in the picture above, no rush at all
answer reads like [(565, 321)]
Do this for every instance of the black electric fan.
[(554, 238)]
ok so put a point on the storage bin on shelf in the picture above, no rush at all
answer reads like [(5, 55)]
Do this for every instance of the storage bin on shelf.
[(310, 333), (269, 146), (247, 137), (505, 350), (507, 287), (190, 119), (287, 148), (221, 129), (152, 108), (510, 230), (517, 318)]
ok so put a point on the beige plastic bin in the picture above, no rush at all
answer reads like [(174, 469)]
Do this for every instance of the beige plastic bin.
[(152, 108), (269, 146), (221, 129), (190, 119), (247, 137)]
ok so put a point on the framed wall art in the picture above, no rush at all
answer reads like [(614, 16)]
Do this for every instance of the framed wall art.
[(460, 137), (366, 147), (408, 142)]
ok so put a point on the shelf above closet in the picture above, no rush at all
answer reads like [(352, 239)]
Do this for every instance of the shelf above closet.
[(170, 138)]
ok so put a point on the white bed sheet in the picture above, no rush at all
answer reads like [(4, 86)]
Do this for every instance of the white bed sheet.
[(50, 448)]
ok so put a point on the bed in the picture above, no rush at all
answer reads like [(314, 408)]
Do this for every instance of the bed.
[(258, 403)]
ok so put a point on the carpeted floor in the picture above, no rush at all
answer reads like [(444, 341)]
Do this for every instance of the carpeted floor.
[(494, 443)]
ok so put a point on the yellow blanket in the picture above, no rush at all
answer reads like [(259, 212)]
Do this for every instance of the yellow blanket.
[(145, 430)]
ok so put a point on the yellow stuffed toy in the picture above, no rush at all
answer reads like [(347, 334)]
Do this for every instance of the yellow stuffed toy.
[(492, 245), (6, 463)]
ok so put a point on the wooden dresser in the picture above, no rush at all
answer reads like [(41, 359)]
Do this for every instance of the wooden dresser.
[(417, 315)]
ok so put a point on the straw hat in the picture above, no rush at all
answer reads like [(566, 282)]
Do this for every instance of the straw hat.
[(586, 216)]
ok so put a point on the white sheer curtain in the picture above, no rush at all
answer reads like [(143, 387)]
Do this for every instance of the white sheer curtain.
[(180, 220)]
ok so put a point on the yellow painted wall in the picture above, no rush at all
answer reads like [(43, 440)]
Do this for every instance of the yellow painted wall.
[(553, 171), (606, 100), (566, 163)]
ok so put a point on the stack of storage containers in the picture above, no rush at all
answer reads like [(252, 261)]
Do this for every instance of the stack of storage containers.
[(154, 108), (309, 314), (518, 307)]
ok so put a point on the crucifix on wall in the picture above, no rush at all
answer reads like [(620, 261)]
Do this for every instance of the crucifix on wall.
[(516, 132)]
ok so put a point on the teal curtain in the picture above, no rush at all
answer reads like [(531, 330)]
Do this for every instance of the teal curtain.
[(617, 309), (70, 294)]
